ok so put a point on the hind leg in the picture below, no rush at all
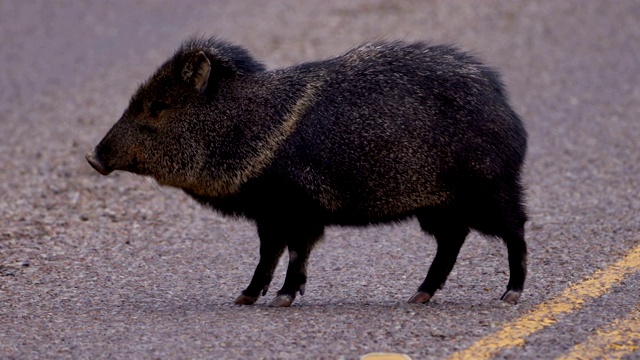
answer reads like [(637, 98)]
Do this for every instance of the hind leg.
[(517, 250), (504, 216), (450, 234), (510, 220)]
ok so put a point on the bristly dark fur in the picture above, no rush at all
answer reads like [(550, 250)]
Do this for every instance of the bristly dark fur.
[(383, 132)]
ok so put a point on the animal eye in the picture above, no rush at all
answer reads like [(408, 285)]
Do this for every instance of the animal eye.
[(148, 128), (157, 107)]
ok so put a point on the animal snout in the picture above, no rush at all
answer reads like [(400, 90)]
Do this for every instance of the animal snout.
[(95, 162)]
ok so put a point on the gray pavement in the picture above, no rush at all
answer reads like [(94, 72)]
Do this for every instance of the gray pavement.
[(118, 267)]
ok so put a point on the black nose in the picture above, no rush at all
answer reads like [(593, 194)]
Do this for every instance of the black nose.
[(94, 161)]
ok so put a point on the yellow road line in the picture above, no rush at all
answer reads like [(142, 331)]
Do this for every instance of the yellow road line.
[(618, 339), (545, 314)]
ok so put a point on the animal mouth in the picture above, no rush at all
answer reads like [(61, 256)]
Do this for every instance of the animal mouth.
[(135, 168)]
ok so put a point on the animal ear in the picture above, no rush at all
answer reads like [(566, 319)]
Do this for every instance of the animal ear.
[(196, 71)]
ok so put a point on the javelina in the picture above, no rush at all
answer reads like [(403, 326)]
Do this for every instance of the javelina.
[(386, 131)]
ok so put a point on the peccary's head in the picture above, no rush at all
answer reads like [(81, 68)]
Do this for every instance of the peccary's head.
[(167, 130)]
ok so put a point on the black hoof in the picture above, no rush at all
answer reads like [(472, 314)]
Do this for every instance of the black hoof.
[(420, 297), (511, 296), (245, 300), (282, 301)]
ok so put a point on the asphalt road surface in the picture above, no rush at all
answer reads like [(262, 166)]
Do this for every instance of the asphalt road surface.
[(119, 267)]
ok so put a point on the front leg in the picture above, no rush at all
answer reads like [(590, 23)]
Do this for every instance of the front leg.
[(300, 244), (271, 248)]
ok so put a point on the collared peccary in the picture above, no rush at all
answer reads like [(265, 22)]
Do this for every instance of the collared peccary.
[(384, 132)]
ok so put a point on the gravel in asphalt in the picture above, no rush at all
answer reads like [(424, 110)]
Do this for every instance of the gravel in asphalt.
[(118, 267)]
